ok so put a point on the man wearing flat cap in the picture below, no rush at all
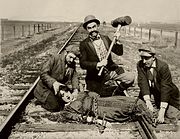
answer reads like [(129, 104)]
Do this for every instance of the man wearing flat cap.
[(93, 51), (155, 81), (59, 71)]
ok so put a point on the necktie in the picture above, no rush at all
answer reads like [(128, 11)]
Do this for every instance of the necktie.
[(149, 75)]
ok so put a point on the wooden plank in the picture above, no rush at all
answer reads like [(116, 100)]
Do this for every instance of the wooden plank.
[(166, 127), (17, 94), (73, 127), (68, 127), (4, 113), (29, 72), (29, 79), (9, 101), (20, 87), (176, 40), (124, 126)]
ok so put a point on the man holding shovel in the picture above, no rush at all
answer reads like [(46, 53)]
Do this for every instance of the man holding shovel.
[(96, 59)]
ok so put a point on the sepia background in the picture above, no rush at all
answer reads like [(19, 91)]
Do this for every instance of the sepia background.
[(76, 10)]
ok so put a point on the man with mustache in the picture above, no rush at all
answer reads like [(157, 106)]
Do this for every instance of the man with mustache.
[(93, 51)]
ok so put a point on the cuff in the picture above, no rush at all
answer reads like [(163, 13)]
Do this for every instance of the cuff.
[(97, 66), (118, 42), (146, 97), (75, 90), (164, 105), (54, 83)]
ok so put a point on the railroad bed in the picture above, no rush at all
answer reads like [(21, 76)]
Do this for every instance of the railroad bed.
[(21, 68), (36, 122)]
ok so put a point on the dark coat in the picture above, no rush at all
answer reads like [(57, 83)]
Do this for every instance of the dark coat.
[(89, 60), (53, 70), (165, 90)]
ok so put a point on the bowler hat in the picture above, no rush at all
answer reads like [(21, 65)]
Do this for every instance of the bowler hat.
[(90, 18), (147, 51)]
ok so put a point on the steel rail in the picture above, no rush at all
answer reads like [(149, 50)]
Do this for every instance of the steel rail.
[(6, 126), (146, 128), (67, 42)]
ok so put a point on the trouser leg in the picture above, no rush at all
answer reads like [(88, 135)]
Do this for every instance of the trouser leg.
[(121, 108), (126, 78), (116, 108), (121, 78), (172, 114)]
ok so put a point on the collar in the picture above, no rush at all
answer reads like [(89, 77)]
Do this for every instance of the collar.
[(153, 64)]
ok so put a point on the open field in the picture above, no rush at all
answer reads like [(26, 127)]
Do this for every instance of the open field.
[(163, 26), (12, 29), (167, 35), (15, 44)]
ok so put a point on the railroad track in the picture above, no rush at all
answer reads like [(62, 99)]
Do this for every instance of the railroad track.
[(22, 67), (26, 118), (22, 90)]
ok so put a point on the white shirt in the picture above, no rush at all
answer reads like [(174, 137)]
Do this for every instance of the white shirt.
[(100, 49), (151, 84), (147, 97)]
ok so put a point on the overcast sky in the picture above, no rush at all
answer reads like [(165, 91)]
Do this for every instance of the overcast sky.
[(76, 10)]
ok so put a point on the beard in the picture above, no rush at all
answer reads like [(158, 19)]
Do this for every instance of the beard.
[(94, 34)]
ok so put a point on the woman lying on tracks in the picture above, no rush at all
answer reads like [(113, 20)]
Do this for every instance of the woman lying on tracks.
[(89, 107)]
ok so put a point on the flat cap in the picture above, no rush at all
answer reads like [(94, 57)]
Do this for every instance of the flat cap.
[(146, 50)]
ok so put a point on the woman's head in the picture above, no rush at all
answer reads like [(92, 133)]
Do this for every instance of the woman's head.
[(65, 94)]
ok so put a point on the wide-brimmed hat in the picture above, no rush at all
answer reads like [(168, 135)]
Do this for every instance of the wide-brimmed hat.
[(147, 51), (90, 18)]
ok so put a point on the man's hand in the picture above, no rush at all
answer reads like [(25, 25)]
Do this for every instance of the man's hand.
[(161, 113), (149, 105), (75, 94), (56, 86), (117, 34), (102, 63)]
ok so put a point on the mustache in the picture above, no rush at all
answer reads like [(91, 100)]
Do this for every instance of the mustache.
[(94, 31)]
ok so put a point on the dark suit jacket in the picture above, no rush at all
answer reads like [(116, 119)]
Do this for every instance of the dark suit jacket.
[(89, 60), (165, 90), (53, 70)]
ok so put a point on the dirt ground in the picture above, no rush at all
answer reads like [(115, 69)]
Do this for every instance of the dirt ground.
[(129, 60)]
